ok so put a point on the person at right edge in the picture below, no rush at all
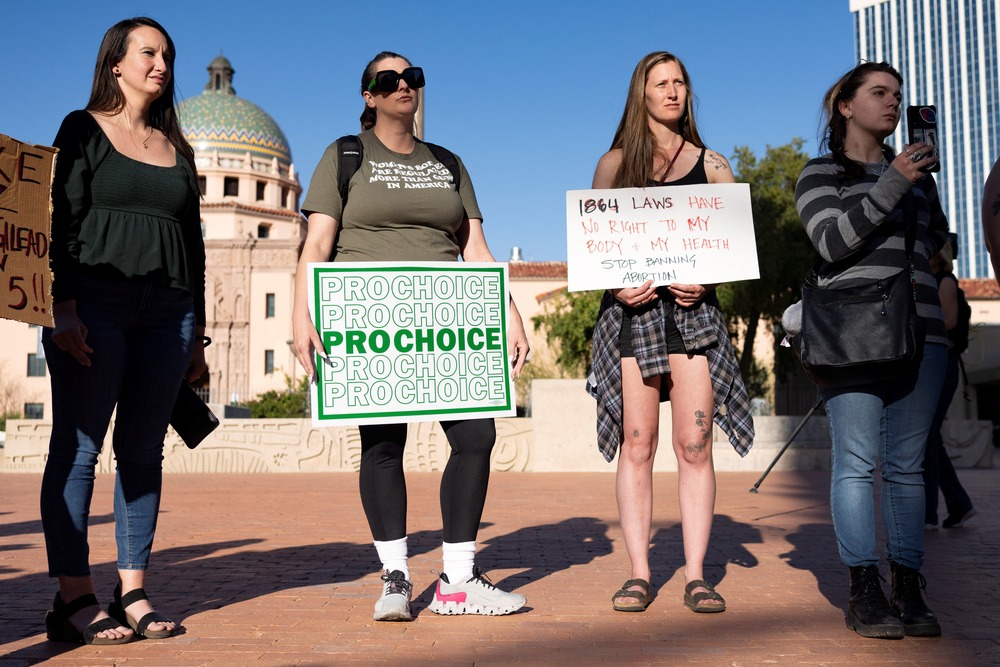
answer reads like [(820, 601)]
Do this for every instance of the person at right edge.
[(856, 203), (939, 473)]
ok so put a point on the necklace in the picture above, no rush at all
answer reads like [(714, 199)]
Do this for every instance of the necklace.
[(672, 160), (876, 168), (131, 134)]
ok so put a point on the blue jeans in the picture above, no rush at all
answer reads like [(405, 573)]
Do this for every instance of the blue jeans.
[(939, 473), (142, 338), (884, 424)]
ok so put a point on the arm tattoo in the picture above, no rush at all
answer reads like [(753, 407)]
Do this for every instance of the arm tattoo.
[(717, 161)]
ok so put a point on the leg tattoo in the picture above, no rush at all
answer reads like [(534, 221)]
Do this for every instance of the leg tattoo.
[(701, 420)]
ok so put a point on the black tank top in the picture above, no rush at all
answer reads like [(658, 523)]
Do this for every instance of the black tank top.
[(696, 176)]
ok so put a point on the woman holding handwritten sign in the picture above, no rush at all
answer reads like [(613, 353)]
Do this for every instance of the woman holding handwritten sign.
[(128, 261), (406, 204), (653, 342)]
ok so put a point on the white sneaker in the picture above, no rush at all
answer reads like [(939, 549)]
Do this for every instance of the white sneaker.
[(475, 596), (394, 604)]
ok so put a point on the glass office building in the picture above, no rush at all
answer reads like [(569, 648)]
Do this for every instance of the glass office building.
[(946, 51)]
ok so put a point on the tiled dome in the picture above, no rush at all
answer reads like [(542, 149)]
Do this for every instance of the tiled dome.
[(219, 120)]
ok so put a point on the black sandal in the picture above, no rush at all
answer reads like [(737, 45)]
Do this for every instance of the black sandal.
[(58, 627), (696, 601), (117, 611), (641, 598)]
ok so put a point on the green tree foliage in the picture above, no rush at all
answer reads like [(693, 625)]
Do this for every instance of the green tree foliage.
[(569, 325), (8, 415), (784, 252), (290, 403)]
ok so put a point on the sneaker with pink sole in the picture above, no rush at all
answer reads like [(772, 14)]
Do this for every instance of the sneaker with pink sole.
[(478, 595)]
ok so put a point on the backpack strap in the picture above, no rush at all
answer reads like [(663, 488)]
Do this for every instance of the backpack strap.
[(448, 159), (351, 154)]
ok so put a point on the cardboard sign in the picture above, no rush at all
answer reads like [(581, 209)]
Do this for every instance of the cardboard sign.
[(687, 234), (25, 230), (420, 341)]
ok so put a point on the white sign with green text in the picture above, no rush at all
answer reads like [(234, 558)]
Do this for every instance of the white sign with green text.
[(410, 342)]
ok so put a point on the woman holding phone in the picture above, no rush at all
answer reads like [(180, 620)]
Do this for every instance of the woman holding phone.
[(859, 203)]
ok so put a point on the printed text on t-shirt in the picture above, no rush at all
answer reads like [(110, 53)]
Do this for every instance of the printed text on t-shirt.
[(430, 174)]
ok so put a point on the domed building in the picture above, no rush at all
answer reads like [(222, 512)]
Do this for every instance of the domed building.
[(253, 233)]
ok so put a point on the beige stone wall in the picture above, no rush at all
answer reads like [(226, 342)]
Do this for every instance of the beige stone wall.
[(276, 446), (559, 438)]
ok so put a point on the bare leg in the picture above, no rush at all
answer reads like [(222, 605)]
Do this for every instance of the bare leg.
[(691, 408), (70, 588), (131, 580), (634, 482)]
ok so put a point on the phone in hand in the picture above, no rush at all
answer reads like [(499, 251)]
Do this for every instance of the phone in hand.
[(921, 125)]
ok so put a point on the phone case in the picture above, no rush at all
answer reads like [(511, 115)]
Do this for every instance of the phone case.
[(921, 125)]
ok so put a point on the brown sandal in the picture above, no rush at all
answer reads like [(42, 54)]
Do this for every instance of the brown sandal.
[(640, 599), (696, 601)]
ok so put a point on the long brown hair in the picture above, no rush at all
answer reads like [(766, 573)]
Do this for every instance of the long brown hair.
[(106, 95), (835, 132), (634, 137), (369, 115)]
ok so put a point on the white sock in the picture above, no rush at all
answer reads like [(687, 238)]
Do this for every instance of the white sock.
[(393, 555), (459, 557)]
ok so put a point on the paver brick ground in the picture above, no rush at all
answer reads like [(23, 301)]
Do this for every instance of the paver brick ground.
[(279, 570)]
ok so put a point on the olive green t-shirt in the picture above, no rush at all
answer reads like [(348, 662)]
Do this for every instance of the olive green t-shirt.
[(399, 207)]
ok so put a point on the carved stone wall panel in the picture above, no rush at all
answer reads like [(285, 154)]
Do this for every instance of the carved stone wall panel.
[(276, 258), (293, 445), (513, 448), (969, 443), (27, 445), (427, 447)]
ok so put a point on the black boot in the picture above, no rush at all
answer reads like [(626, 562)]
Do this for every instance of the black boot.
[(869, 613), (918, 620)]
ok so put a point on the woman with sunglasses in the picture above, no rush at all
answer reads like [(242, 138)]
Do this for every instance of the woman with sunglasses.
[(384, 222), (857, 204), (653, 342)]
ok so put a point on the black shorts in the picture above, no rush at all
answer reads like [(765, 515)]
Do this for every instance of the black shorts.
[(675, 344)]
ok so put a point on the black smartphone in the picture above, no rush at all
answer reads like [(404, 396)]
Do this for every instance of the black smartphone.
[(921, 125)]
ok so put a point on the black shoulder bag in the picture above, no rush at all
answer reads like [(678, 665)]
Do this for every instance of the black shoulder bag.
[(863, 334)]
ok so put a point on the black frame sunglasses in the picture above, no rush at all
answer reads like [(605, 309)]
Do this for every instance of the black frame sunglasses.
[(387, 81)]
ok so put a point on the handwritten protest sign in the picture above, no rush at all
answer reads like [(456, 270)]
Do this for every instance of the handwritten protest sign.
[(688, 234), (420, 341), (25, 226)]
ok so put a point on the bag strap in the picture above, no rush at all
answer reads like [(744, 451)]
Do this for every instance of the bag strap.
[(448, 159), (350, 155)]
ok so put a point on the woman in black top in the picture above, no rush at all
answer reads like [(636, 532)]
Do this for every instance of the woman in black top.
[(129, 276), (691, 361)]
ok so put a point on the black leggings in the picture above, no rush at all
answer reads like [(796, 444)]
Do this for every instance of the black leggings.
[(463, 485)]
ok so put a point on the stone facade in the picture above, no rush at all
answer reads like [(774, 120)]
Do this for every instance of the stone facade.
[(559, 438)]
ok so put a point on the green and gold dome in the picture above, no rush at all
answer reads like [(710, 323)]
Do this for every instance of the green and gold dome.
[(218, 120)]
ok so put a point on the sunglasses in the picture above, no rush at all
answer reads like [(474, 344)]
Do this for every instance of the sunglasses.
[(387, 81)]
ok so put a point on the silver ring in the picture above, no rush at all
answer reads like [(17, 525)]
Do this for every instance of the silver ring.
[(916, 156), (907, 151)]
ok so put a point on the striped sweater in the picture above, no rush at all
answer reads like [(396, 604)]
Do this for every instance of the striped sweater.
[(857, 227)]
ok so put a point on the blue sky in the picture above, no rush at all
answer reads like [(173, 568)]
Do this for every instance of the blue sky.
[(527, 93)]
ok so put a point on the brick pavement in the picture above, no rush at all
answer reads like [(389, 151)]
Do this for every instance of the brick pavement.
[(279, 570)]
